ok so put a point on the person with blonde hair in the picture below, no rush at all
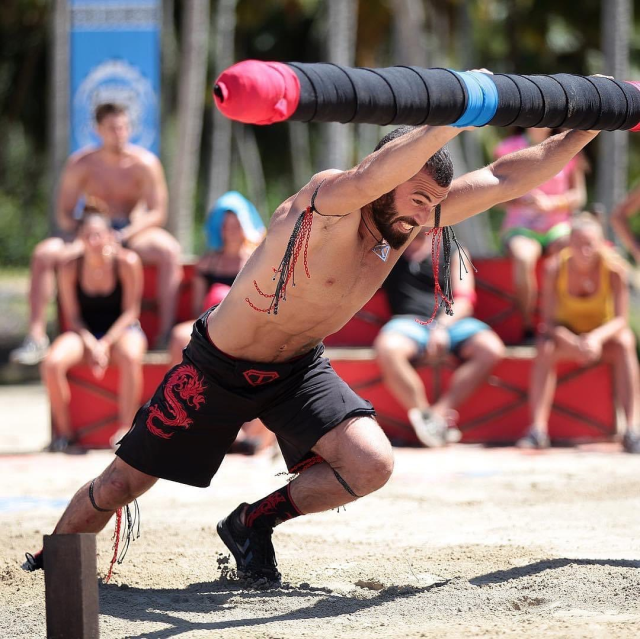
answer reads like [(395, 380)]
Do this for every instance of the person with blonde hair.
[(585, 308)]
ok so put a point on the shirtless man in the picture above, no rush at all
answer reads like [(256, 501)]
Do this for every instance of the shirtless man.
[(130, 181), (347, 230)]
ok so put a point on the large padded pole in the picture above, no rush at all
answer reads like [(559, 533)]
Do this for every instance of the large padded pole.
[(266, 92)]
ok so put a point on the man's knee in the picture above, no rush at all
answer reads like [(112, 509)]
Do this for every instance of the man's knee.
[(368, 466), (47, 253), (488, 347), (157, 246), (53, 366), (119, 485), (393, 346)]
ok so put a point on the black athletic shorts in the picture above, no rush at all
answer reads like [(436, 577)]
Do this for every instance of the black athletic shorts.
[(185, 430)]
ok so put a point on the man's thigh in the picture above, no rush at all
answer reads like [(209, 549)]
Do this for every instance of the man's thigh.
[(404, 334), (153, 243)]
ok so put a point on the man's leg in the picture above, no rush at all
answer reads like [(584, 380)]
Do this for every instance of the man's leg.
[(127, 354), (118, 485), (397, 345), (159, 247), (180, 336), (395, 353), (480, 353), (45, 259), (525, 253), (358, 460), (95, 503)]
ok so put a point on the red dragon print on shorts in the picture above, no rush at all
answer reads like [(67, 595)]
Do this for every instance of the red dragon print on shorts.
[(184, 384)]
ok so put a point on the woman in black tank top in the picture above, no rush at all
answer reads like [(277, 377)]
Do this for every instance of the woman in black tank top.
[(100, 293)]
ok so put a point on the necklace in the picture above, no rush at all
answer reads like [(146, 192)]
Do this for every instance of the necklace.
[(381, 249)]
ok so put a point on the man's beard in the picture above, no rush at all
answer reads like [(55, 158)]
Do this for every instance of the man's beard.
[(384, 214)]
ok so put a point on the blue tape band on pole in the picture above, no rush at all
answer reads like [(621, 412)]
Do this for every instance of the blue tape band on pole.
[(482, 101)]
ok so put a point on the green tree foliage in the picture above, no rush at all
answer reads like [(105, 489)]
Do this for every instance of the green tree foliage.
[(523, 36), (23, 183)]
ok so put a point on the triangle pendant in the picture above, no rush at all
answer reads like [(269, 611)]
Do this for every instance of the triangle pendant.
[(381, 249)]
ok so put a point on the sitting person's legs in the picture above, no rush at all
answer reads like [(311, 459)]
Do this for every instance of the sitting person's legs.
[(542, 386), (525, 251), (65, 352), (620, 351), (159, 247), (47, 255), (401, 342), (127, 354), (180, 336), (480, 350)]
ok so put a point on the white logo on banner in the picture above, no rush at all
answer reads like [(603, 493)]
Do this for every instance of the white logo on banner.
[(118, 82)]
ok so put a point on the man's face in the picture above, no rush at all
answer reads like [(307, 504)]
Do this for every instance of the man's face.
[(410, 204), (114, 131)]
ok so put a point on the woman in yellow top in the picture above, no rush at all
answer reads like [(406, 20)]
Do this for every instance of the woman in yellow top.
[(585, 303)]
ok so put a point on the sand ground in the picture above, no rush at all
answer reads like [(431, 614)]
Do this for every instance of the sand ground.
[(463, 542)]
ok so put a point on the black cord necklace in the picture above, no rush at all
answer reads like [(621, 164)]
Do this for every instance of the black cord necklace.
[(381, 249)]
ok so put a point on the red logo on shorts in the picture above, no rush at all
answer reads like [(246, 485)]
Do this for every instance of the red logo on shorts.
[(184, 388), (257, 378)]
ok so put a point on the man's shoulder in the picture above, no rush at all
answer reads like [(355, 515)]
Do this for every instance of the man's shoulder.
[(142, 156), (83, 157)]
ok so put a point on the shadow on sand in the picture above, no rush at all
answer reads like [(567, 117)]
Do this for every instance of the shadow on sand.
[(160, 605), (502, 576)]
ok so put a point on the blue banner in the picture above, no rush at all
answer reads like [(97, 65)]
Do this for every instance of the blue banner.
[(115, 57)]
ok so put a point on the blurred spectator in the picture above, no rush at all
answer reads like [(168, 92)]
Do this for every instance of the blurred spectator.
[(100, 292), (621, 222), (538, 222), (410, 288), (233, 231), (130, 180), (585, 304)]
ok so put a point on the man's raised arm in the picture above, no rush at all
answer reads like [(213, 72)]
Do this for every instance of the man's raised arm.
[(511, 176), (380, 172)]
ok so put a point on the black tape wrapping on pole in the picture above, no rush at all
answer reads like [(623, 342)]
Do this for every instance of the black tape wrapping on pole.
[(413, 95)]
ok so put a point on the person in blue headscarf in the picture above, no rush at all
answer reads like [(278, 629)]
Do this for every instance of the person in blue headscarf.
[(233, 229)]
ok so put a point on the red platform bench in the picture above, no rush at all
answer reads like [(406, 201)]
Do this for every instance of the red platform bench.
[(496, 413)]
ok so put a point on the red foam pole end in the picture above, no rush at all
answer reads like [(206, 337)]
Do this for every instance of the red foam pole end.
[(257, 92), (637, 86)]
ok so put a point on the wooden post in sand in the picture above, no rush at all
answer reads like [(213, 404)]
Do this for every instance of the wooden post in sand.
[(71, 586)]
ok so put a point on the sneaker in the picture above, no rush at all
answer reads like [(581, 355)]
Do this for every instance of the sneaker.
[(33, 562), (430, 428), (453, 435), (30, 352), (248, 446), (533, 440), (251, 548), (631, 443), (59, 444)]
